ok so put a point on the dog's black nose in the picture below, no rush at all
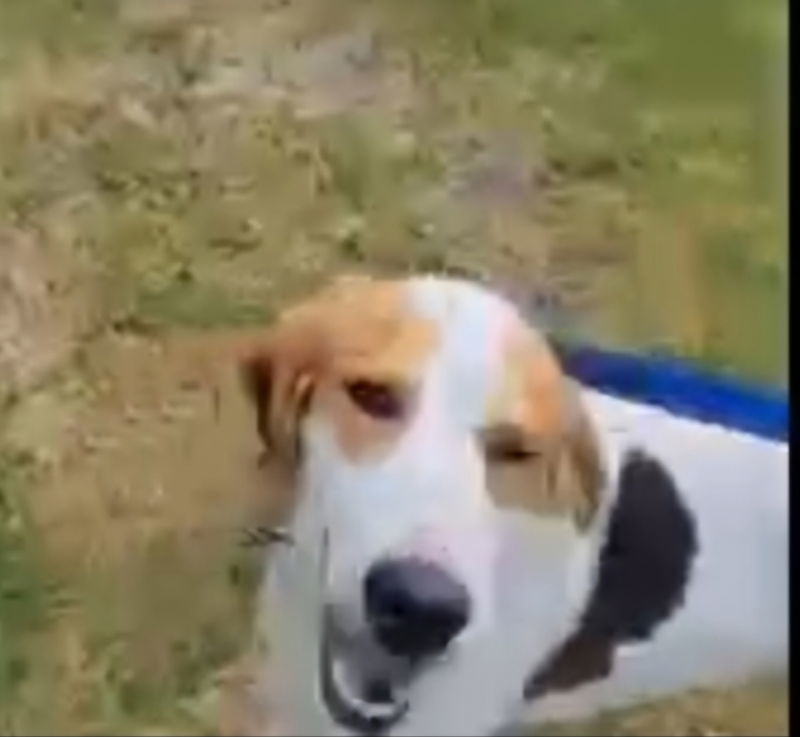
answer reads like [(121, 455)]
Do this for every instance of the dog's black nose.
[(415, 608)]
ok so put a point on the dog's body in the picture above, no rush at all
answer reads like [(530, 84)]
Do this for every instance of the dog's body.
[(477, 543)]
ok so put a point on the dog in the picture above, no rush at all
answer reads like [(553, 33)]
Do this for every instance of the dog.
[(473, 541)]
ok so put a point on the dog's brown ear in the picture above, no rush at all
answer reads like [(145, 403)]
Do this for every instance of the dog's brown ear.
[(576, 469), (256, 374), (566, 477), (281, 372), (279, 382), (554, 412)]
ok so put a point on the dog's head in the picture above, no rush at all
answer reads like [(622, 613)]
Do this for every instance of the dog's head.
[(405, 413)]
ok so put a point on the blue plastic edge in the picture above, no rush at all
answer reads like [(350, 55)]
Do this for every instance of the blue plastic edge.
[(679, 388)]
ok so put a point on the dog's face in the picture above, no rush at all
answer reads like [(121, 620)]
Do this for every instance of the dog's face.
[(405, 413)]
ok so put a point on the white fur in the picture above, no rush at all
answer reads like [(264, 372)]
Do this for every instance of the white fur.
[(734, 623), (529, 577)]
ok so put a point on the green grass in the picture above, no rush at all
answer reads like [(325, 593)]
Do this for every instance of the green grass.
[(654, 133), (23, 591), (663, 126)]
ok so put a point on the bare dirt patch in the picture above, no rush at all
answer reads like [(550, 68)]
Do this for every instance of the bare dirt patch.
[(40, 313)]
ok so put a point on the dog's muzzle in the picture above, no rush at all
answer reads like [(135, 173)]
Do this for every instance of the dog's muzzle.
[(364, 688), (413, 611)]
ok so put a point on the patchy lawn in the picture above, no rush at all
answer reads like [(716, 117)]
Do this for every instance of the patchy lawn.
[(170, 173)]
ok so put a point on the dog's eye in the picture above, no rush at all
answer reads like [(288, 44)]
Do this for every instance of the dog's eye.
[(506, 445), (509, 453), (377, 400)]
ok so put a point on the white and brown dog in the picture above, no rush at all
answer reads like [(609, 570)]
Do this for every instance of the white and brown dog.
[(478, 542)]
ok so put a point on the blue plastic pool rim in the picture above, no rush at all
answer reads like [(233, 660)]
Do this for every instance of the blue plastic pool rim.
[(680, 388)]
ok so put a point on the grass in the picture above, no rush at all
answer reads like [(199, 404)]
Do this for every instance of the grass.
[(169, 169), (22, 597), (643, 141)]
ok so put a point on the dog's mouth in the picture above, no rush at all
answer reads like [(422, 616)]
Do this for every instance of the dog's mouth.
[(364, 688)]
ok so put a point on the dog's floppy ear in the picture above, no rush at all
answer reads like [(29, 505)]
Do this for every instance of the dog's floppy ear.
[(281, 371), (555, 413), (279, 375), (280, 394), (566, 476), (575, 469)]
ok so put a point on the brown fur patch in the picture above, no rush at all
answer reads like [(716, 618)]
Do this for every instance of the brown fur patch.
[(357, 329), (564, 476), (584, 657), (530, 393)]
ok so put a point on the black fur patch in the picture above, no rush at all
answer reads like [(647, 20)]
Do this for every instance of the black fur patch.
[(643, 570)]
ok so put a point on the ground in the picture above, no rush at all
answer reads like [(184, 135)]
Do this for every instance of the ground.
[(171, 173)]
